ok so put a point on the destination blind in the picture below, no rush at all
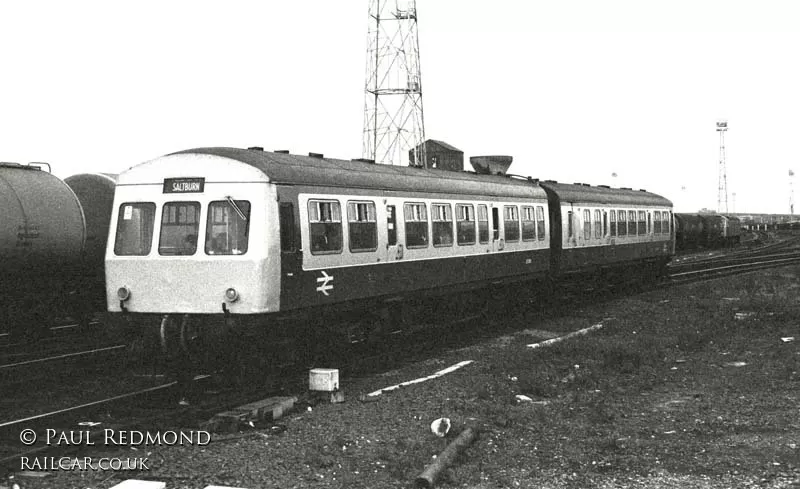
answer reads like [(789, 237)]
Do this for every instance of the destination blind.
[(184, 185)]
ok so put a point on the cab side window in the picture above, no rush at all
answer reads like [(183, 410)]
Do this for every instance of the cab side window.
[(325, 226)]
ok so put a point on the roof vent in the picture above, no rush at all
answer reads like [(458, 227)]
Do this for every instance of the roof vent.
[(604, 186), (282, 151), (316, 155), (363, 160), (256, 148), (491, 165), (625, 188), (551, 181), (642, 190)]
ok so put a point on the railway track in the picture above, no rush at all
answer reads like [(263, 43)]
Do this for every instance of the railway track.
[(154, 405)]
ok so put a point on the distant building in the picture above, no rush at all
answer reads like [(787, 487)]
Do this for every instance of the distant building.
[(441, 155)]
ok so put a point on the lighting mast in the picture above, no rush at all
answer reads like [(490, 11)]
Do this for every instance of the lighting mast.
[(393, 121), (722, 194)]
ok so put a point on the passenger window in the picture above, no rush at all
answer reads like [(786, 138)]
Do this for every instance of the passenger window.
[(598, 230), (363, 226), (325, 223), (612, 215), (622, 224), (632, 223), (657, 222), (286, 217), (667, 221), (483, 224), (465, 224), (416, 217), (227, 227), (135, 229), (511, 222), (642, 223), (528, 223), (540, 226), (442, 218), (179, 224), (587, 224)]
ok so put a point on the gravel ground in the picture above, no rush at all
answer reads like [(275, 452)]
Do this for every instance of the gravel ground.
[(691, 387)]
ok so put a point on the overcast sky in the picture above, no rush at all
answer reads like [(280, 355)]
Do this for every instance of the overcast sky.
[(575, 90)]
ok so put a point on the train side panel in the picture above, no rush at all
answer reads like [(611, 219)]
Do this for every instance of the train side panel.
[(460, 243)]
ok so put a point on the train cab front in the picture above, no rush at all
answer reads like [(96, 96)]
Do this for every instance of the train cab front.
[(189, 250)]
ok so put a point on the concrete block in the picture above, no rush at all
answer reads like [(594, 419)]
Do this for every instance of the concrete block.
[(331, 397), (323, 379), (269, 409), (138, 484)]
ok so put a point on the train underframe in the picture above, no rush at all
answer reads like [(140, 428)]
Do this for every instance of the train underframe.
[(235, 344)]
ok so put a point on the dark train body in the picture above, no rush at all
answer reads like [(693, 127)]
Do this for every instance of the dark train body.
[(693, 231), (239, 238), (45, 271)]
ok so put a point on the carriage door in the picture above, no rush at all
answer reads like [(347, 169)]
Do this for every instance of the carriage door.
[(394, 251), (497, 242)]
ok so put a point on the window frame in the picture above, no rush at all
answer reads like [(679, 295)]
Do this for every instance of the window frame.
[(515, 219), (442, 220), (311, 222), (597, 224), (461, 219), (528, 215), (478, 220), (587, 224), (120, 218), (173, 221), (210, 224), (416, 219), (371, 211)]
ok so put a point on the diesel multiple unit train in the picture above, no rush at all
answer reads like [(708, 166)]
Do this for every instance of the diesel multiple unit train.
[(52, 246), (210, 240)]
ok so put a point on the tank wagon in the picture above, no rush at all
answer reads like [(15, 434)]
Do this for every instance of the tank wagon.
[(95, 192), (210, 240), (42, 236)]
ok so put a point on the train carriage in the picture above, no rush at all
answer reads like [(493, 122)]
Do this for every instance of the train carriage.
[(601, 229), (248, 233)]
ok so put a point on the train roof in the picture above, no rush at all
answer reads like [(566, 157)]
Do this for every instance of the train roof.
[(289, 169), (604, 195)]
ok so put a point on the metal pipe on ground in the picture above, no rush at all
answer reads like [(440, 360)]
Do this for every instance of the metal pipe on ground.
[(428, 477)]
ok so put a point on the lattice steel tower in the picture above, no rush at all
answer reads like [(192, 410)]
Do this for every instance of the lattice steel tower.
[(722, 194), (393, 122)]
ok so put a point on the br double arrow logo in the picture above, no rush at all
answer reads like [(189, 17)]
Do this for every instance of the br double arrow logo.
[(325, 283)]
